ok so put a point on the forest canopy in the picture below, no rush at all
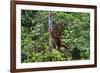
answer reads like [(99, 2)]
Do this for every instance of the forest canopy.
[(54, 36)]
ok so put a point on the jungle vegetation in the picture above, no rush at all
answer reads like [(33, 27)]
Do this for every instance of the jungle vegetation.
[(54, 36)]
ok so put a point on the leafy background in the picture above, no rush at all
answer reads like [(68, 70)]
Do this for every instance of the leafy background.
[(34, 36)]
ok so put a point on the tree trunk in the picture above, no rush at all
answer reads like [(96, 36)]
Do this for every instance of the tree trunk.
[(52, 43)]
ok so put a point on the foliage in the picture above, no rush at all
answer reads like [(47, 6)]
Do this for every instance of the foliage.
[(34, 36)]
